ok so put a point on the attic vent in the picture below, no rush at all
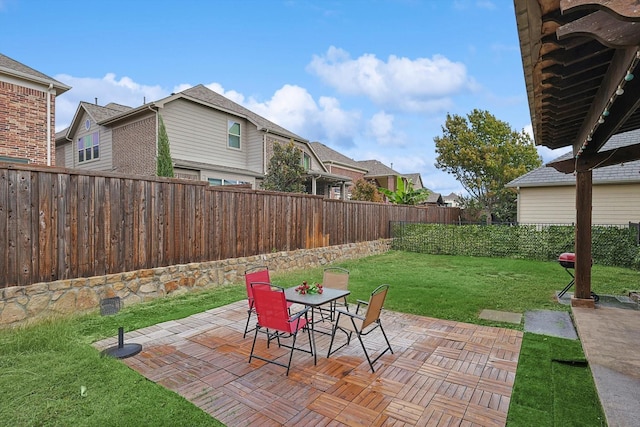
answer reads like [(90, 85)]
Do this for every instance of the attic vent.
[(87, 124)]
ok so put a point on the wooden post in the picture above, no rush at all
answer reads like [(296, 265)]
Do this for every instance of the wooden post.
[(582, 296)]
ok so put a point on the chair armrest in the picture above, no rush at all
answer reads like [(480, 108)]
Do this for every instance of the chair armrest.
[(361, 302), (299, 314), (350, 313)]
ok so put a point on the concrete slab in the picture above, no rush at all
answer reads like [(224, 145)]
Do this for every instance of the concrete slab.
[(549, 322), (611, 341), (501, 316)]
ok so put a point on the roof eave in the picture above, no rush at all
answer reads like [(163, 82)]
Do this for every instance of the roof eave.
[(60, 87)]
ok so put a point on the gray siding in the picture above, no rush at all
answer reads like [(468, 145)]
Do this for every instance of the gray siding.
[(199, 134), (255, 149), (104, 162)]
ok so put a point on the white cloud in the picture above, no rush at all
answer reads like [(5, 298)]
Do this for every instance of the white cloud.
[(547, 154), (382, 130), (400, 83), (480, 4), (293, 108), (486, 4), (236, 97), (106, 89)]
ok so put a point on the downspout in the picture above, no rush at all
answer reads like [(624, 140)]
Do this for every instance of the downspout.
[(264, 151), (157, 132), (49, 124)]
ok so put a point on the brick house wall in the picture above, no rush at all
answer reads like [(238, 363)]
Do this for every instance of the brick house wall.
[(137, 158), (23, 118), (354, 175)]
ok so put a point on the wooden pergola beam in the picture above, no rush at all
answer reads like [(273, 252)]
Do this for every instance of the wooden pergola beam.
[(605, 28), (625, 9), (628, 153)]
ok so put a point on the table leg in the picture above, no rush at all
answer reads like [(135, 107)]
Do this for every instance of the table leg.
[(313, 338)]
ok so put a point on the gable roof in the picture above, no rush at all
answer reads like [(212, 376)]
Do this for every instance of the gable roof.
[(97, 112), (416, 180), (329, 155), (377, 168), (100, 113), (204, 94), (434, 198), (17, 69), (546, 176)]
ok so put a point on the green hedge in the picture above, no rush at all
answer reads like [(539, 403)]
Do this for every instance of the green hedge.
[(611, 245)]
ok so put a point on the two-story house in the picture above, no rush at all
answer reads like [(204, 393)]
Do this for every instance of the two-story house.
[(27, 113), (211, 139)]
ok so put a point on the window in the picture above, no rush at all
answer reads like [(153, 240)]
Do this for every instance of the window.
[(306, 161), (220, 181), (234, 134), (88, 147)]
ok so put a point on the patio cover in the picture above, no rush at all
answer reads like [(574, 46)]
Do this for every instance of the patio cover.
[(579, 59)]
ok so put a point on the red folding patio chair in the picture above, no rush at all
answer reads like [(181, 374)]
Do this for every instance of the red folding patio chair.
[(255, 274), (270, 305)]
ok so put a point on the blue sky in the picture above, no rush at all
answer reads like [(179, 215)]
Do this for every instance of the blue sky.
[(373, 79)]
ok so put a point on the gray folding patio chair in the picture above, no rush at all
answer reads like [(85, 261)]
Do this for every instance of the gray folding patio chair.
[(362, 324)]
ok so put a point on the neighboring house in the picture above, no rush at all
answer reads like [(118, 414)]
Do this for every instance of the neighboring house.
[(339, 166), (452, 200), (381, 174), (433, 199), (211, 139), (372, 170), (416, 180), (546, 196), (27, 113)]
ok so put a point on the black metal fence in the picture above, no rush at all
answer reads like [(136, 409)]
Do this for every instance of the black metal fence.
[(611, 245)]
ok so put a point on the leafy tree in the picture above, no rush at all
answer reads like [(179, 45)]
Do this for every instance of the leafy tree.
[(286, 172), (365, 191), (405, 194), (484, 154), (164, 163)]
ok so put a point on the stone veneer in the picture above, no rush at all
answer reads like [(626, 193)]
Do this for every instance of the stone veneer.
[(20, 305)]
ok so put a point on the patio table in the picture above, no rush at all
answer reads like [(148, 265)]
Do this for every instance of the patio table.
[(314, 301)]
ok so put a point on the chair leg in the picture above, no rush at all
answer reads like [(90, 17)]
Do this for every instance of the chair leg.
[(293, 346), (253, 345), (333, 335), (246, 328), (365, 352), (386, 339)]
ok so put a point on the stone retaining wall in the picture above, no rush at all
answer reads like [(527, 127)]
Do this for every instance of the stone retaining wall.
[(22, 304)]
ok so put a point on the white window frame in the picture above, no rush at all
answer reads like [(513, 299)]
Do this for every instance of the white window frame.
[(91, 150), (230, 124), (304, 159)]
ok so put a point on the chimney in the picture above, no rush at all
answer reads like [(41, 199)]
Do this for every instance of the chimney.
[(96, 101)]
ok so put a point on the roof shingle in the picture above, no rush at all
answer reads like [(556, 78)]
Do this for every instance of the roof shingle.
[(622, 173)]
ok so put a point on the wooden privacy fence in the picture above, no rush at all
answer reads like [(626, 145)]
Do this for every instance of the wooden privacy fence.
[(60, 224)]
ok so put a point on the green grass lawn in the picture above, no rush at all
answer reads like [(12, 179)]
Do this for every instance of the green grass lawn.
[(43, 367)]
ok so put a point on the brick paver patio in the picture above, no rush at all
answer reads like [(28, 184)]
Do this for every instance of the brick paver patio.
[(442, 373)]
